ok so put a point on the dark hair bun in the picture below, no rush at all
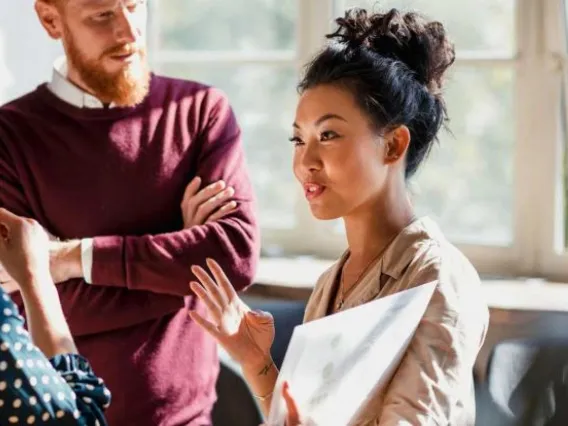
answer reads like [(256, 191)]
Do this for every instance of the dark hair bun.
[(409, 38)]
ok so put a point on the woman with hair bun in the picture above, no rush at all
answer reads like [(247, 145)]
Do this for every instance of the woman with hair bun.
[(370, 110)]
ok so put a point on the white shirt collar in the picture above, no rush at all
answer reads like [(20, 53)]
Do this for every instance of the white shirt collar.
[(67, 91)]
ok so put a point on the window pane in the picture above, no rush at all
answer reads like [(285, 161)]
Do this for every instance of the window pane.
[(565, 194), (564, 117), (467, 183), (244, 25), (264, 100), (472, 24)]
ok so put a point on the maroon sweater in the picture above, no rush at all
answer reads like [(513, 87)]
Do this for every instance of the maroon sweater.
[(118, 175)]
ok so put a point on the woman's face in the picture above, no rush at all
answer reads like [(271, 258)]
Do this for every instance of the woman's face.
[(338, 158)]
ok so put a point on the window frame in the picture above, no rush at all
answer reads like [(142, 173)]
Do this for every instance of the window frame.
[(540, 60), (551, 245)]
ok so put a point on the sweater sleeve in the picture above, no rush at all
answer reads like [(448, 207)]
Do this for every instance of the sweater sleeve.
[(161, 263)]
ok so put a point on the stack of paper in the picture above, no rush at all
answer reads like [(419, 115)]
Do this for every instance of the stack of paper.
[(334, 364)]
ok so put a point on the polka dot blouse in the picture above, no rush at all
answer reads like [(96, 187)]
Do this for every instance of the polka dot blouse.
[(34, 390)]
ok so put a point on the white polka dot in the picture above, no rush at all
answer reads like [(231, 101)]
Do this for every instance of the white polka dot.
[(30, 363), (76, 414), (17, 403), (7, 312), (31, 420), (33, 381), (45, 417), (90, 387), (3, 366), (47, 397), (60, 396), (32, 400), (4, 346), (87, 399), (6, 328), (5, 297), (13, 420), (69, 378), (19, 364), (73, 396), (106, 392), (2, 386), (45, 380), (17, 346), (105, 406), (18, 383), (100, 381), (97, 423), (29, 347), (60, 414)]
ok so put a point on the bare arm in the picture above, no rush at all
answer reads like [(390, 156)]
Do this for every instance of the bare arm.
[(246, 335), (46, 323), (24, 254), (261, 376)]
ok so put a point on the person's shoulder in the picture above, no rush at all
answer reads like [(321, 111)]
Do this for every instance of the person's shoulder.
[(458, 294), (436, 258), (26, 103)]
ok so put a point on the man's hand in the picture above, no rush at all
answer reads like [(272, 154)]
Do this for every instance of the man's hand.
[(206, 205), (23, 251), (65, 260)]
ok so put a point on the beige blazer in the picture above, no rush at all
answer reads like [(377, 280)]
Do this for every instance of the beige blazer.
[(433, 384)]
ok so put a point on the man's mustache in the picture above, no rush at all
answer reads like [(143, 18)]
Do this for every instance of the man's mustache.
[(121, 50)]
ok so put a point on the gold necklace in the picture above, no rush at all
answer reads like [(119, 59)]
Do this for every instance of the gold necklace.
[(343, 294)]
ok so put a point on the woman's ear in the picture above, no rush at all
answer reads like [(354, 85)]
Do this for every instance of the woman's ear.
[(396, 144)]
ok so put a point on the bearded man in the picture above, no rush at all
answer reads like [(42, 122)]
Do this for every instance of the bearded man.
[(103, 156)]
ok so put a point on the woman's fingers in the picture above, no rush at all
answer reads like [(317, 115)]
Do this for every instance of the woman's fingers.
[(293, 412), (222, 280), (212, 307), (207, 325), (211, 287)]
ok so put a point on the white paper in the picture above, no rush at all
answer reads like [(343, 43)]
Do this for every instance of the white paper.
[(335, 363)]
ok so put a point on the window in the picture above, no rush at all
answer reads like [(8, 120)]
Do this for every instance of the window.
[(248, 49), (494, 184), (468, 183), (253, 50), (498, 185)]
